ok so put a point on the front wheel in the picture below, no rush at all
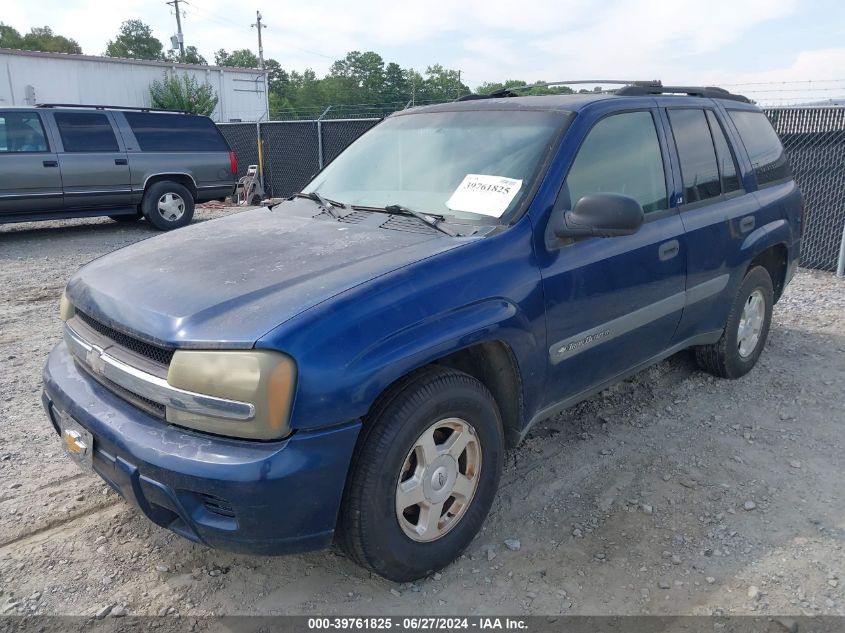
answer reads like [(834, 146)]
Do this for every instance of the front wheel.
[(424, 476), (746, 330), (168, 205)]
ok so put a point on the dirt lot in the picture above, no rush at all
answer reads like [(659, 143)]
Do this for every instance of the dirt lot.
[(672, 493)]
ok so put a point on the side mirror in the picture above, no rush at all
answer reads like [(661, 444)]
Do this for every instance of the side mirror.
[(599, 215)]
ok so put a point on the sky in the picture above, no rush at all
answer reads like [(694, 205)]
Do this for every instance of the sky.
[(775, 51)]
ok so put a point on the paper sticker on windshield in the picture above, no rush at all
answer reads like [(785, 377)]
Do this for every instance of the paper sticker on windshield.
[(486, 195)]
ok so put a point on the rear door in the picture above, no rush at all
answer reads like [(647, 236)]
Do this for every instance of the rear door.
[(717, 212), (95, 170), (30, 180), (170, 143)]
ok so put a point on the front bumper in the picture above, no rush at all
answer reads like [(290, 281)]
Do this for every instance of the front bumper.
[(249, 497)]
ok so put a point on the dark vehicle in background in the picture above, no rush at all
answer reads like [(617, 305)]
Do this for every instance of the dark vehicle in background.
[(82, 161), (353, 362)]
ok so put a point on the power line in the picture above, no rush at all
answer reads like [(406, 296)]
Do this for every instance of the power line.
[(205, 14)]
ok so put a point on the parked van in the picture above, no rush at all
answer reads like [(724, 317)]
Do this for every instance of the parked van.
[(80, 161)]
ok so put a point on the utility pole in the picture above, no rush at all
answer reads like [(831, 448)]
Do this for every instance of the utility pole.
[(258, 25), (175, 5)]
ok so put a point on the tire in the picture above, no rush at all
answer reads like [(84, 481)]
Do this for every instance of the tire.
[(127, 219), (446, 406), (734, 355), (167, 205)]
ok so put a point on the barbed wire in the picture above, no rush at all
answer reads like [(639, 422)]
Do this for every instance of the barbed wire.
[(787, 82)]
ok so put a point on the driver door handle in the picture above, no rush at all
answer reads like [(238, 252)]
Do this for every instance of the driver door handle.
[(668, 250)]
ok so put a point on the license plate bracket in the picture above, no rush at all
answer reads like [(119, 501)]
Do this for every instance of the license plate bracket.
[(77, 442)]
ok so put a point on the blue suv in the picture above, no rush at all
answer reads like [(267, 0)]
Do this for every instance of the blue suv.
[(352, 363)]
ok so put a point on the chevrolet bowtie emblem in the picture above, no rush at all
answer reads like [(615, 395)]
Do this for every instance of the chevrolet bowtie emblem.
[(95, 361), (75, 442)]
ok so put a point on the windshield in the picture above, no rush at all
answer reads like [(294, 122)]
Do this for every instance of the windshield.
[(469, 165)]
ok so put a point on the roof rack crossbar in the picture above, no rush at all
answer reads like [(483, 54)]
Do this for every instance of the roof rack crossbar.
[(107, 107)]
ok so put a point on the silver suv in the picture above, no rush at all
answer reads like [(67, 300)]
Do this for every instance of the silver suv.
[(60, 161)]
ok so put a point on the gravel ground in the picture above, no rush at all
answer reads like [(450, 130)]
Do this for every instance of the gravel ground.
[(671, 493)]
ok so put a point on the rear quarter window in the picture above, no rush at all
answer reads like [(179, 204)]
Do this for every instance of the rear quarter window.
[(763, 146), (175, 133)]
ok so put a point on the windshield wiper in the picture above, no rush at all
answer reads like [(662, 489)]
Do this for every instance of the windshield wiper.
[(328, 205), (432, 219)]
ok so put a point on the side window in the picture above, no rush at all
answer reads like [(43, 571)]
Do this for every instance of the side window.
[(763, 146), (699, 169), (175, 132), (86, 132), (21, 132), (727, 164), (621, 154)]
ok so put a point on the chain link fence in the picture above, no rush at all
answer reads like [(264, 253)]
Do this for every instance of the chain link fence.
[(814, 139), (293, 150)]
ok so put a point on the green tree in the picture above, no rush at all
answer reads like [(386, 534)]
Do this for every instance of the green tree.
[(442, 84), (43, 39), (135, 40), (9, 37), (397, 85), (173, 93), (39, 38), (357, 78), (241, 58), (191, 56), (538, 89)]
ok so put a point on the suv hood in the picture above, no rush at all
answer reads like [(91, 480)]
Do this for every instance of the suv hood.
[(227, 282)]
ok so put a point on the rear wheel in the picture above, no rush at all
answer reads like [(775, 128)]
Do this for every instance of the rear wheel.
[(746, 330), (168, 205), (424, 477)]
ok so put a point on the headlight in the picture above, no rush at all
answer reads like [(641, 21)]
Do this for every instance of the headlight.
[(66, 309), (262, 378)]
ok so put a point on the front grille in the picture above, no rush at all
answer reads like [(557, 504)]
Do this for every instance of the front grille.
[(153, 352), (150, 406)]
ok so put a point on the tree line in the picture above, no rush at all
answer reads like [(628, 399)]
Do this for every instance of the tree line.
[(361, 82)]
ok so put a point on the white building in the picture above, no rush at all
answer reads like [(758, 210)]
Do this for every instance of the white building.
[(29, 77)]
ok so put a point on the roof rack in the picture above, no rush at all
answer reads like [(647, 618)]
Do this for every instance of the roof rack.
[(513, 91), (107, 107), (629, 88), (712, 92)]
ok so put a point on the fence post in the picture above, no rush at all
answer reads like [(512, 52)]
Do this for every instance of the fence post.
[(320, 137), (259, 150), (840, 266)]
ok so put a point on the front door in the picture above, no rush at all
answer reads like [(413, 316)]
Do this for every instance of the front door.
[(30, 180), (613, 303), (95, 169)]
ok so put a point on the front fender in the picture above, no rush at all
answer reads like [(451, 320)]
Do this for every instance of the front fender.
[(350, 348), (403, 351)]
